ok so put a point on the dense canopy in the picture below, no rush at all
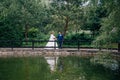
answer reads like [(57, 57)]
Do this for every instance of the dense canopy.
[(34, 19)]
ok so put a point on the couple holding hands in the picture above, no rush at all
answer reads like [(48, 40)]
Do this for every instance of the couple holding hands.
[(52, 44)]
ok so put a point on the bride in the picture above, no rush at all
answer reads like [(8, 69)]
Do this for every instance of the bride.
[(52, 44)]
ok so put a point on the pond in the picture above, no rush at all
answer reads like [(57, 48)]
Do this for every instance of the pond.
[(62, 68)]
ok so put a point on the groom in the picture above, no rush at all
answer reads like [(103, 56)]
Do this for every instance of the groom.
[(60, 40)]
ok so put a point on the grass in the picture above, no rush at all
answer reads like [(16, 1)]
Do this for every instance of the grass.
[(112, 45), (36, 44), (42, 44)]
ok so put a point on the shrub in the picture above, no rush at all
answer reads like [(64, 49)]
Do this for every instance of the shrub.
[(73, 38)]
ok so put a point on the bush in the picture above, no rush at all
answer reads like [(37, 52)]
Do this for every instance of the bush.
[(73, 38), (8, 33)]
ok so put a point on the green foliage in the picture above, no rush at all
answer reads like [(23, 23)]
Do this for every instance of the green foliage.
[(92, 18), (101, 17), (73, 38), (10, 28), (66, 15), (16, 19), (32, 33), (10, 32), (110, 30)]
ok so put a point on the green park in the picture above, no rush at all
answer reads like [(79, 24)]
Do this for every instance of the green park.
[(36, 36)]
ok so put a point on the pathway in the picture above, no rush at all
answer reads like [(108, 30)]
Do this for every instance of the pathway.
[(20, 52)]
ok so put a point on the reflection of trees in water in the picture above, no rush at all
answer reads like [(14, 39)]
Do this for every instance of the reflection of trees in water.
[(105, 59), (79, 68)]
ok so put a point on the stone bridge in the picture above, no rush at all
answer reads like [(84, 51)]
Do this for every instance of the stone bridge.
[(24, 52)]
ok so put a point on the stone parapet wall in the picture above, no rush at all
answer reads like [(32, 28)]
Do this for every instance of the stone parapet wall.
[(26, 53)]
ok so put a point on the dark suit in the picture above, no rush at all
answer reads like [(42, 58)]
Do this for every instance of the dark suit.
[(60, 40)]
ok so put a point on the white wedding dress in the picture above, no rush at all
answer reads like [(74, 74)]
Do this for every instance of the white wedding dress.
[(51, 43)]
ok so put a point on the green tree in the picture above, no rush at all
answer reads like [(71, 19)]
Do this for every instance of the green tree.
[(10, 28), (93, 13), (17, 16), (66, 15), (110, 29)]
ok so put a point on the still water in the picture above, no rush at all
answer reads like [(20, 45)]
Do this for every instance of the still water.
[(60, 68)]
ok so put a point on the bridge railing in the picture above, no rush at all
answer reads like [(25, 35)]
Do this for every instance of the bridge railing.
[(42, 44), (76, 44)]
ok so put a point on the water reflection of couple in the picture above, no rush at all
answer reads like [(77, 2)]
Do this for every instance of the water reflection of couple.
[(52, 43)]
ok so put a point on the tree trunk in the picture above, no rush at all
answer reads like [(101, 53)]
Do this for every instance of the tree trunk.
[(26, 33), (66, 25)]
